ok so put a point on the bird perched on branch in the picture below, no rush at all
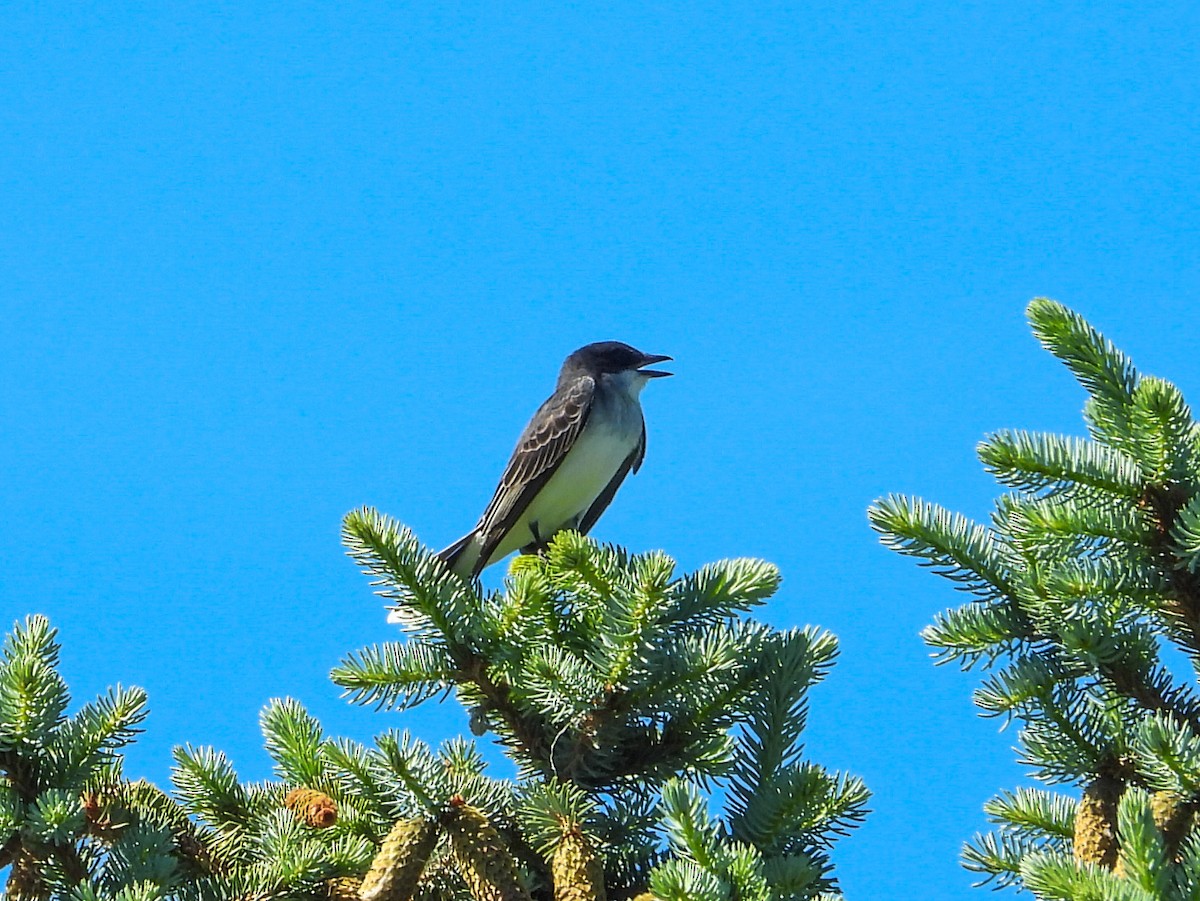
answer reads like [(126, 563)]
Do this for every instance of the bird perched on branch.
[(569, 461)]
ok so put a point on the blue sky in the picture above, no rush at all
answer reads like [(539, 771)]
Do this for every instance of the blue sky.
[(262, 264)]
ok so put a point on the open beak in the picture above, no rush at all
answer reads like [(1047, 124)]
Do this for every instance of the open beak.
[(654, 373)]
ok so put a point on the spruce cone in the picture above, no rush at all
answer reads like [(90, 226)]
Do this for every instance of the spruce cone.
[(483, 859), (25, 878), (1173, 817), (578, 872), (401, 860), (1096, 823), (343, 888), (314, 807)]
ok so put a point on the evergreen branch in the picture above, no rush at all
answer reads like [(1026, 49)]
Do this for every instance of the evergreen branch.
[(415, 766), (1161, 426), (686, 880), (1062, 739), (429, 599), (693, 736), (590, 572), (1095, 557), (460, 758), (69, 861), (630, 622), (1024, 684), (978, 631), (209, 787), (1152, 691), (293, 738), (1172, 511), (156, 807), (1053, 529), (558, 685), (1034, 814), (1037, 462), (550, 809), (87, 740), (525, 731), (55, 816), (1143, 854), (1168, 754), (744, 870), (791, 663), (799, 806), (396, 676), (572, 553), (1107, 374), (720, 590), (949, 543), (1120, 587), (689, 827), (8, 851), (284, 856), (1121, 651), (612, 693), (797, 876), (680, 670), (121, 805), (628, 834), (997, 857), (34, 638), (1059, 877), (33, 698), (524, 616), (1180, 619), (363, 776), (1187, 875), (1185, 535)]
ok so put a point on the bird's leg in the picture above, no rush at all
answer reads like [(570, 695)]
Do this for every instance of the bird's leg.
[(538, 545)]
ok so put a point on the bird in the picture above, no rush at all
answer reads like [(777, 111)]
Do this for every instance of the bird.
[(570, 460)]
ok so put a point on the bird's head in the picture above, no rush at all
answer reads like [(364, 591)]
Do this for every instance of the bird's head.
[(613, 358)]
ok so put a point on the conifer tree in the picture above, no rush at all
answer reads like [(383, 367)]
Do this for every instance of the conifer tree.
[(625, 694), (1086, 592), (68, 818)]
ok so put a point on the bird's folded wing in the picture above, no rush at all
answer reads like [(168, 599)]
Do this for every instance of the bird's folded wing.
[(539, 452)]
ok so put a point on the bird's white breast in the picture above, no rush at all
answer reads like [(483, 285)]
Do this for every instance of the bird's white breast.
[(603, 445)]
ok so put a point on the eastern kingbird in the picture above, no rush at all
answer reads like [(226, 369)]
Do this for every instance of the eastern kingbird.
[(569, 461)]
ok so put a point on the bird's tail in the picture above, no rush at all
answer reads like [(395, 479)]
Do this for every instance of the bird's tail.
[(463, 556)]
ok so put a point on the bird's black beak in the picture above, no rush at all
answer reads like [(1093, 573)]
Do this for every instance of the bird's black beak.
[(654, 373)]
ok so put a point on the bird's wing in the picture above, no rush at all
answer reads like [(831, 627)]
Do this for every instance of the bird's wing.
[(600, 504), (539, 452)]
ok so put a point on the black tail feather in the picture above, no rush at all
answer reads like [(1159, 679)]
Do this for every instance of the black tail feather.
[(454, 553)]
